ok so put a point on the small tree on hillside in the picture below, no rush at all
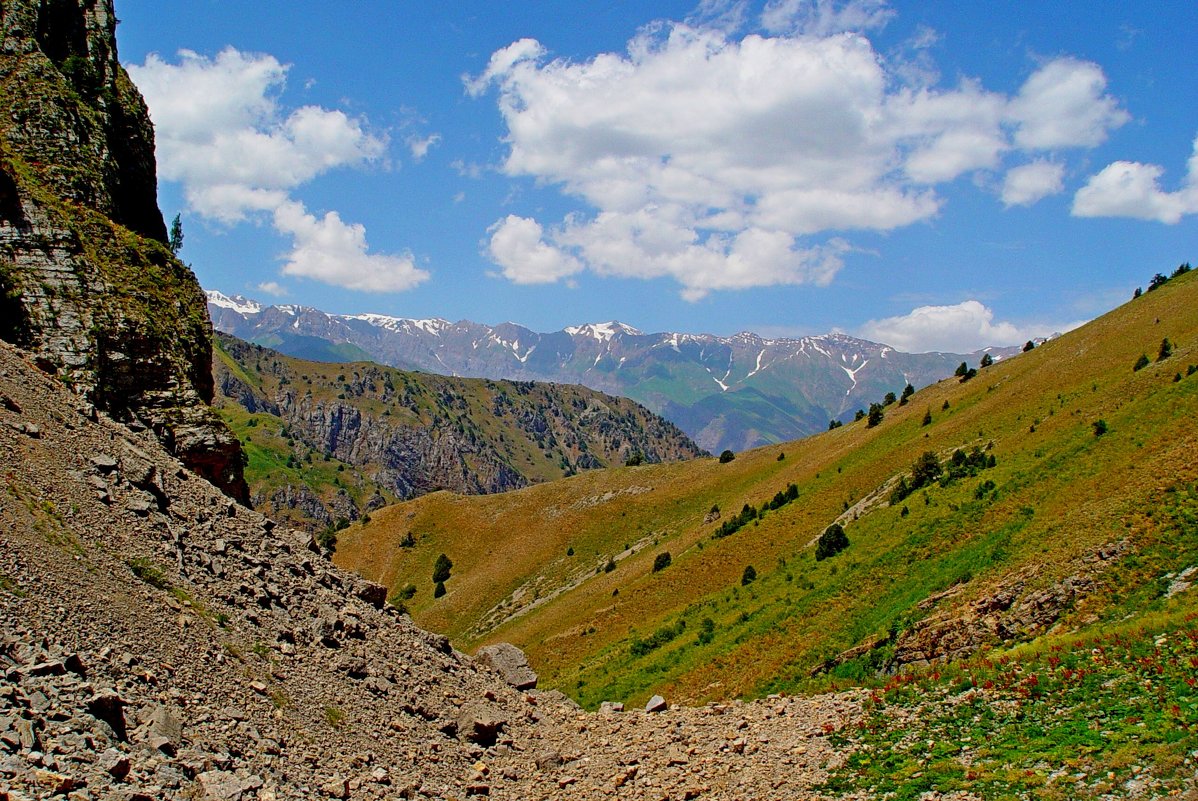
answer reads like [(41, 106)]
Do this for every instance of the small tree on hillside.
[(727, 456), (962, 369), (661, 561), (1029, 345), (441, 569), (749, 576), (1166, 350), (908, 391), (175, 240), (831, 542), (927, 417), (987, 360), (875, 414), (1141, 363), (889, 399)]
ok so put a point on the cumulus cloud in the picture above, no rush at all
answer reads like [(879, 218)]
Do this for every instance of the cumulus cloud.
[(272, 288), (223, 134), (1028, 183), (1132, 189), (329, 250), (960, 328), (1063, 105), (731, 163), (519, 247)]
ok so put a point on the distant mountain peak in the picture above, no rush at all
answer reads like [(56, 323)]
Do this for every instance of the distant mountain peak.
[(602, 331), (237, 303)]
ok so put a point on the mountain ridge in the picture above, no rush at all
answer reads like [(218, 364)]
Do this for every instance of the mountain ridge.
[(731, 392)]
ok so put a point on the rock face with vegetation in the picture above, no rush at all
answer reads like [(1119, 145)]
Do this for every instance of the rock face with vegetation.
[(327, 443), (87, 282)]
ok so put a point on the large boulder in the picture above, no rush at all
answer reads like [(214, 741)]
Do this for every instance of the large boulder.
[(510, 663)]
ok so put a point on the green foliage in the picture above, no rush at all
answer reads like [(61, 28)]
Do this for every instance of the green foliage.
[(610, 566), (889, 399), (408, 541), (1166, 350), (860, 415), (1141, 363), (908, 391), (749, 576), (1029, 345), (961, 370), (439, 589), (1100, 427), (570, 551), (148, 572), (875, 414), (831, 542), (1193, 368), (749, 513), (706, 631), (657, 639), (927, 418), (987, 360), (175, 239), (1157, 281), (635, 460), (834, 424), (441, 569), (727, 456), (661, 561)]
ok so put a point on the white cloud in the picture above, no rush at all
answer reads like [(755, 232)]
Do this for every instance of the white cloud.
[(712, 160), (824, 17), (1028, 183), (330, 250), (419, 146), (223, 135), (1132, 189), (518, 246), (961, 328), (1062, 105), (272, 288)]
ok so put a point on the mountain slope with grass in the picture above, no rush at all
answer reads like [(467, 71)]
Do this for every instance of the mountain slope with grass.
[(328, 443), (1054, 491)]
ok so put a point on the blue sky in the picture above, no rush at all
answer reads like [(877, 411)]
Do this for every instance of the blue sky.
[(931, 175)]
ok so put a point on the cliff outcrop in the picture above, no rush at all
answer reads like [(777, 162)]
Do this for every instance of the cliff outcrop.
[(87, 282)]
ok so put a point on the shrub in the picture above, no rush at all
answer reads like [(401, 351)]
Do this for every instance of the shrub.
[(439, 590), (875, 414), (657, 639), (1193, 368), (927, 417), (441, 569), (1100, 427), (1157, 281), (860, 415), (408, 541), (610, 566), (706, 631), (1166, 350), (889, 399), (749, 576), (781, 457), (908, 391), (834, 424), (1137, 293), (570, 551), (635, 460), (1029, 345), (661, 561), (987, 360), (962, 369), (831, 542), (944, 406), (1141, 363), (727, 456)]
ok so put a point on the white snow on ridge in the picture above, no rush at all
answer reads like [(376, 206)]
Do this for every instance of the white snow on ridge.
[(432, 326), (603, 332), (236, 303)]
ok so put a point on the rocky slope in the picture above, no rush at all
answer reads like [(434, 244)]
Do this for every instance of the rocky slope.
[(157, 641), (328, 442), (725, 392), (86, 280)]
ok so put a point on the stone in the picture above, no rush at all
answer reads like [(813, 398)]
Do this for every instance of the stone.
[(104, 463), (115, 763), (548, 759), (510, 663), (479, 726), (656, 704), (609, 707)]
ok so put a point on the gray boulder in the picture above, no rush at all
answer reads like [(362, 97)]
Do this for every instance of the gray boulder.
[(510, 663)]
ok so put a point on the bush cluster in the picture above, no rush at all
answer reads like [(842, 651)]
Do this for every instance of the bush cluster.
[(749, 513), (831, 542), (657, 639)]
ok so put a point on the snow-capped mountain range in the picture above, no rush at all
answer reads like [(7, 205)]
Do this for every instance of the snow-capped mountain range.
[(725, 392)]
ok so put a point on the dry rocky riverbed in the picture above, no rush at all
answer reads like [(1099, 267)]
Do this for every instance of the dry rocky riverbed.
[(159, 641)]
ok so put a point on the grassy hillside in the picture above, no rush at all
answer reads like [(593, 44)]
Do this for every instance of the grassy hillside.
[(1076, 525), (327, 441)]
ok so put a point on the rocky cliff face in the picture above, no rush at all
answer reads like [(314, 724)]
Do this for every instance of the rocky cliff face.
[(408, 434), (87, 283)]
